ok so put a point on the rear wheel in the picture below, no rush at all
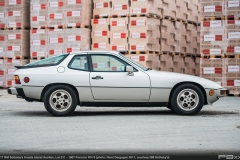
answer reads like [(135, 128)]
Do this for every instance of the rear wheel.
[(187, 99), (60, 100)]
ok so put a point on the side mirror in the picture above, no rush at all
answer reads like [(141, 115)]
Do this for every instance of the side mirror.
[(129, 69)]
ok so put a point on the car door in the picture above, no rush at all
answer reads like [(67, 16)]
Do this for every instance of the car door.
[(109, 80)]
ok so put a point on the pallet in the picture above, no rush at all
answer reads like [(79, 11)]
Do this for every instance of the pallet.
[(98, 17), (212, 56), (18, 28), (192, 22), (213, 18), (119, 16), (198, 55), (143, 52), (56, 27), (4, 87), (232, 18), (38, 58), (190, 55), (234, 95), (232, 55), (178, 54), (40, 27), (149, 15), (18, 57), (81, 26), (167, 53), (169, 18), (181, 20)]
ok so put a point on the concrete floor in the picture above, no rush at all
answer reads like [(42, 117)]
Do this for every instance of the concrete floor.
[(27, 128)]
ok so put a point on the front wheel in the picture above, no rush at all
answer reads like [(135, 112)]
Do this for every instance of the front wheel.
[(187, 99), (60, 100)]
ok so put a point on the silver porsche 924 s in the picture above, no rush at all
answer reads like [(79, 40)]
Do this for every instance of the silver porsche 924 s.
[(107, 78)]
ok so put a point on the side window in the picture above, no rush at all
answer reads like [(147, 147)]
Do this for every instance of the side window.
[(79, 63), (106, 63)]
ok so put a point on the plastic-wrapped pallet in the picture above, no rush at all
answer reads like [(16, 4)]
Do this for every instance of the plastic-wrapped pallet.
[(56, 42), (147, 60), (3, 19), (212, 37), (180, 38), (232, 8), (212, 68), (120, 8), (143, 7), (56, 15), (178, 64), (166, 62), (119, 34), (167, 36), (182, 12), (18, 45), (38, 43), (39, 13), (144, 34), (78, 13), (192, 11), (212, 8), (232, 37), (101, 8), (167, 8), (232, 74), (18, 14), (3, 43), (77, 39), (2, 72)]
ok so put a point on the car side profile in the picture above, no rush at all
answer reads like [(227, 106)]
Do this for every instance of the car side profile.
[(107, 78)]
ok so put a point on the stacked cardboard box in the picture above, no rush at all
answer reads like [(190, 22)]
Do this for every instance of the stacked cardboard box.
[(14, 37), (14, 14), (144, 34), (59, 26), (220, 44)]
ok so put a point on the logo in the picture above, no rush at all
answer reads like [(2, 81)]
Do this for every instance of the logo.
[(228, 156)]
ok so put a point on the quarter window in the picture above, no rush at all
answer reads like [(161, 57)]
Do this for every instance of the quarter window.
[(105, 63), (79, 63)]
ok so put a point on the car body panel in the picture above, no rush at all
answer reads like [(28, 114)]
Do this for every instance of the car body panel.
[(120, 86), (145, 86)]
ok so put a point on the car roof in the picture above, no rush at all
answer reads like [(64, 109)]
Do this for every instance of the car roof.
[(96, 51)]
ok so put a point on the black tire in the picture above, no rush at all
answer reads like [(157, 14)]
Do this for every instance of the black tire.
[(67, 98), (170, 106), (180, 99)]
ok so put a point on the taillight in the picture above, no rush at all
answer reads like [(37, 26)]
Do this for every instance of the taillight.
[(17, 80)]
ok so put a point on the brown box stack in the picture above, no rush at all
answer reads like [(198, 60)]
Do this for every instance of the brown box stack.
[(39, 13), (14, 38), (220, 44), (119, 34), (144, 34), (59, 26)]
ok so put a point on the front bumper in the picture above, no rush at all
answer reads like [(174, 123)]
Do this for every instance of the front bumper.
[(17, 91), (218, 94)]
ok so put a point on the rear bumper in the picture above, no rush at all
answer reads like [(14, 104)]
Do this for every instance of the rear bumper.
[(17, 91)]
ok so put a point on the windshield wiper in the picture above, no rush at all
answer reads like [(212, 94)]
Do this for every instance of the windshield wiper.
[(149, 69)]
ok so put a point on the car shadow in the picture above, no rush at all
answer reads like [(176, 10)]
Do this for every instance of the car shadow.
[(126, 113)]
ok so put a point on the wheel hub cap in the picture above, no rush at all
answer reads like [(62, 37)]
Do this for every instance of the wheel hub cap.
[(60, 100), (187, 99)]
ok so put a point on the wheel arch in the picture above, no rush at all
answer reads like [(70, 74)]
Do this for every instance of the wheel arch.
[(53, 84), (198, 85)]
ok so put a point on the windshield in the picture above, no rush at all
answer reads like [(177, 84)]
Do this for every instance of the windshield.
[(49, 61), (137, 64)]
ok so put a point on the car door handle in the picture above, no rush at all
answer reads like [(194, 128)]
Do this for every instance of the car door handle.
[(97, 77)]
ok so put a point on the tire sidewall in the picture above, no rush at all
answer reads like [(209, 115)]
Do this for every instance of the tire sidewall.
[(175, 105), (47, 103)]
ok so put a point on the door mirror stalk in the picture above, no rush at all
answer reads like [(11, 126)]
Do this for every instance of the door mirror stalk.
[(129, 69)]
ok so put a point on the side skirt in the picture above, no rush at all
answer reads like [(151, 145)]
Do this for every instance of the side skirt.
[(125, 104)]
